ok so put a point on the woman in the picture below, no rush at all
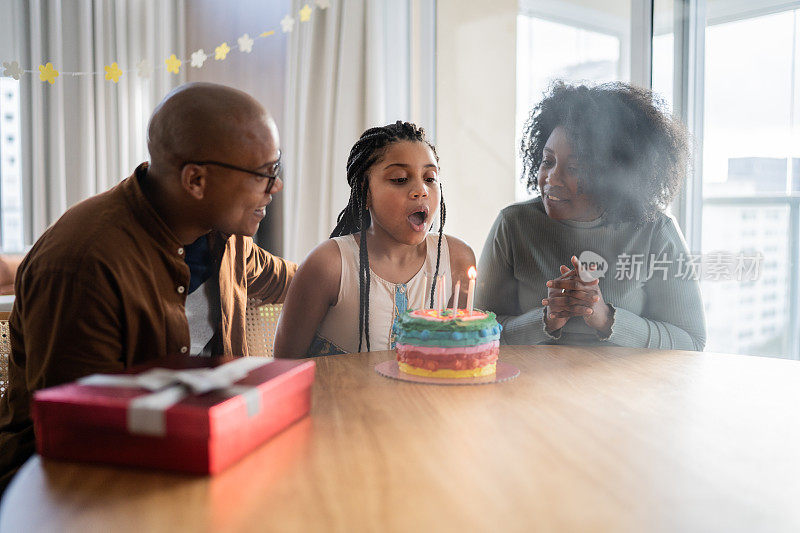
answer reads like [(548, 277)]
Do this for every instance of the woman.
[(594, 259)]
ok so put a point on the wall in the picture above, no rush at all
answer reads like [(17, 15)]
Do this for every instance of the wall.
[(261, 73), (475, 88)]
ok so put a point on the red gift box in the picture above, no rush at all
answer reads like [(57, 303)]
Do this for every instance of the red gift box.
[(167, 426)]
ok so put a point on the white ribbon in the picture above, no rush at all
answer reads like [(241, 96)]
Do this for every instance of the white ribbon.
[(146, 414)]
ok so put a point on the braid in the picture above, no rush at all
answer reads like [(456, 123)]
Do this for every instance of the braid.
[(363, 278), (442, 216), (349, 219), (355, 217)]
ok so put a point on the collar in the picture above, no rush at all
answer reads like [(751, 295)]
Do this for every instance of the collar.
[(143, 210), (153, 224)]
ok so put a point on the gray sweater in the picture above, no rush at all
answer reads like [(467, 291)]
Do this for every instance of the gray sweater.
[(655, 299)]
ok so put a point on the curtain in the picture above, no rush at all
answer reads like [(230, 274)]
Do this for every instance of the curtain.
[(335, 90), (84, 134)]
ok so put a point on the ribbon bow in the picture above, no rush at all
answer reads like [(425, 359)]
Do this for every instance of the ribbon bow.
[(146, 414)]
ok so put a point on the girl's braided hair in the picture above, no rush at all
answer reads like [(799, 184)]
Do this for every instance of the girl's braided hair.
[(355, 217)]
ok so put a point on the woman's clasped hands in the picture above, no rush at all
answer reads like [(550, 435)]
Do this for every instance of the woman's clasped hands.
[(570, 295)]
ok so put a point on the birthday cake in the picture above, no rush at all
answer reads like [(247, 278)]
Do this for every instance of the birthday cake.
[(438, 344)]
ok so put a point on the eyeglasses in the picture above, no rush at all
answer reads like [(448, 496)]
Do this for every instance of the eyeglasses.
[(273, 175)]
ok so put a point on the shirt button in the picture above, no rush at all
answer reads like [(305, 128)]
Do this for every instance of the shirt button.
[(184, 349), (181, 289), (180, 251), (401, 289)]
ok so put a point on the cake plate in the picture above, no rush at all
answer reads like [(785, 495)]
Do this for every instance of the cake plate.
[(504, 372)]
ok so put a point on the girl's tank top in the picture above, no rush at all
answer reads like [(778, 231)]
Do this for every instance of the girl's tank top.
[(338, 332)]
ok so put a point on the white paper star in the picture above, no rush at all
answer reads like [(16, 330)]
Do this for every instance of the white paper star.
[(245, 43), (144, 68), (198, 58), (323, 4), (12, 69), (287, 24)]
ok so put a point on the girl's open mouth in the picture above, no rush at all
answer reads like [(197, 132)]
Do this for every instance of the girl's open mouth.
[(417, 219)]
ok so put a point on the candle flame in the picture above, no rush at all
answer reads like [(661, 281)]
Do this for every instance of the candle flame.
[(472, 273)]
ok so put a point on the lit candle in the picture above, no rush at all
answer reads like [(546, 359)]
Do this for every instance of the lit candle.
[(424, 291), (455, 298), (472, 273)]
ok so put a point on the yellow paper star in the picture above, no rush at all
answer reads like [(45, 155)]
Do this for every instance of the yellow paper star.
[(267, 33), (113, 72), (173, 64), (305, 13), (48, 73), (221, 51)]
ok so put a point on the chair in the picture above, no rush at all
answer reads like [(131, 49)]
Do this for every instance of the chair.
[(5, 351), (262, 322)]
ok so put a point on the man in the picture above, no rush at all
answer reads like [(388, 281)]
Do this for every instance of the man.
[(161, 264)]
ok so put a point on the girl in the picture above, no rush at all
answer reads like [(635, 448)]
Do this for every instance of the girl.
[(350, 289)]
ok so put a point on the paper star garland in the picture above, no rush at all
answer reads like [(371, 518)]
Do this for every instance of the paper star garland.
[(198, 58), (173, 64), (221, 51), (245, 43), (48, 73), (12, 69), (287, 24), (113, 72), (144, 68)]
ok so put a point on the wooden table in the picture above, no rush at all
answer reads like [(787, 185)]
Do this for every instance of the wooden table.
[(585, 439)]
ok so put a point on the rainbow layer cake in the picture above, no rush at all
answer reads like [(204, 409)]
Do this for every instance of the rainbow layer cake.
[(441, 345)]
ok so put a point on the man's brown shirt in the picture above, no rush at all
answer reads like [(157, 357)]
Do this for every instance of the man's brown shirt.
[(104, 288)]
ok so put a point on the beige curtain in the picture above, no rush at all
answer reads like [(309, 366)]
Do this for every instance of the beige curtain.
[(335, 90), (84, 134)]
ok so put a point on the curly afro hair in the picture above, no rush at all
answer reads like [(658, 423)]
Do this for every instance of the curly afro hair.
[(632, 155)]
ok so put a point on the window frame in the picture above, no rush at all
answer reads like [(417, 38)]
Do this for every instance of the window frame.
[(690, 19)]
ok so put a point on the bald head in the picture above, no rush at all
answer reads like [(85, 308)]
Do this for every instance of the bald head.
[(206, 121)]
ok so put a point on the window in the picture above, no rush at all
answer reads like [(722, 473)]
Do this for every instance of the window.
[(741, 100)]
